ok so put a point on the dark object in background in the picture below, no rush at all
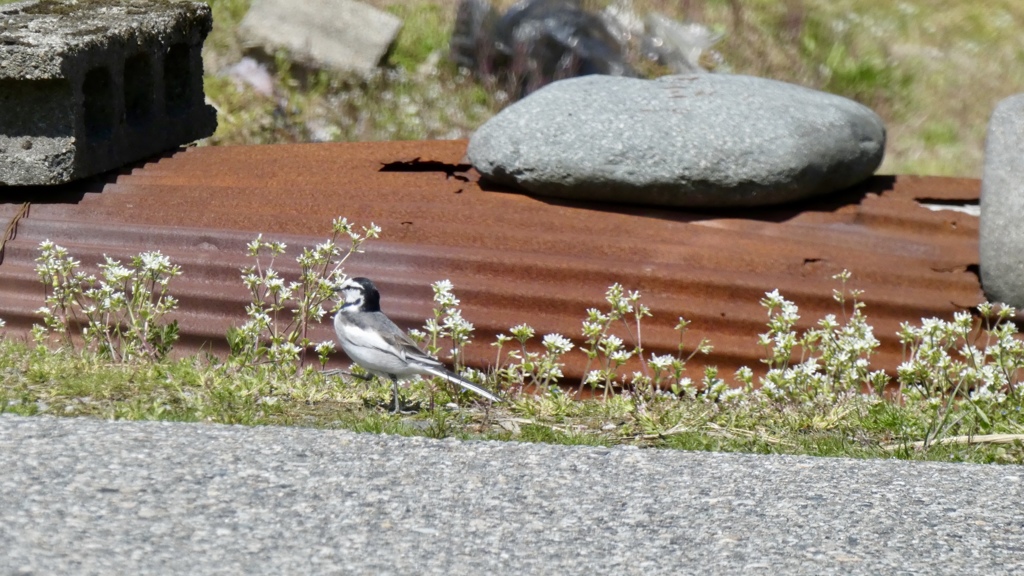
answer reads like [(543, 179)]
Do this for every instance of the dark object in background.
[(535, 43)]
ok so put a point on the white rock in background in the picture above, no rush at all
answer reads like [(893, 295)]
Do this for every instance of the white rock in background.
[(247, 72), (679, 45), (339, 34), (700, 140)]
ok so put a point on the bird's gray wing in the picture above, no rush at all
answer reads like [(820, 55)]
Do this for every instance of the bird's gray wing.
[(379, 332)]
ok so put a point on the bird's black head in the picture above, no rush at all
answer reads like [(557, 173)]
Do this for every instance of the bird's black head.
[(360, 295)]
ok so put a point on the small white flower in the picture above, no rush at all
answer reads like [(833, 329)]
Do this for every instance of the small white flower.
[(522, 332), (620, 356), (661, 362), (731, 394), (557, 344), (611, 343)]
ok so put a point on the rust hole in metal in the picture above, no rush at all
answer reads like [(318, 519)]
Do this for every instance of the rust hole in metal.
[(974, 269), (947, 201), (456, 171)]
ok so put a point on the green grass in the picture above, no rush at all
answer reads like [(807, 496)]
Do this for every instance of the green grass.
[(35, 381), (426, 31)]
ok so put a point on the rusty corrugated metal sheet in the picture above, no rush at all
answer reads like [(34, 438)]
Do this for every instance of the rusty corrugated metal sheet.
[(512, 258)]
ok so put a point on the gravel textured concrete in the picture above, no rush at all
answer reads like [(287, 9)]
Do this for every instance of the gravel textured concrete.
[(92, 497)]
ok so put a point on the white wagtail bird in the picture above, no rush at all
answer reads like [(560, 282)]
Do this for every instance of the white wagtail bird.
[(374, 342)]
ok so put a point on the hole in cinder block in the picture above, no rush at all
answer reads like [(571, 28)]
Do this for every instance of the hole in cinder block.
[(36, 108), (177, 80), (138, 89), (98, 90)]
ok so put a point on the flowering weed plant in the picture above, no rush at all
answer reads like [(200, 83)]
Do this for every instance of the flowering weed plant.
[(521, 367), (446, 324), (121, 313), (834, 356), (281, 312), (961, 371)]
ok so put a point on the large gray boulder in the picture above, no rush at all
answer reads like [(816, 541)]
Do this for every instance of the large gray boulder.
[(1002, 205), (702, 140)]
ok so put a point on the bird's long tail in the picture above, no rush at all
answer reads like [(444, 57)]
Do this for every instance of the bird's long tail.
[(454, 378)]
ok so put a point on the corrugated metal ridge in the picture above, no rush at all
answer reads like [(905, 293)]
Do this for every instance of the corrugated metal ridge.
[(512, 258)]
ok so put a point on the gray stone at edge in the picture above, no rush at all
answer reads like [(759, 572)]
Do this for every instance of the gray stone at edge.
[(701, 140), (1001, 242), (339, 34), (91, 86)]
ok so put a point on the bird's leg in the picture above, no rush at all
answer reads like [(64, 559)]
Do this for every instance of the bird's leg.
[(394, 391)]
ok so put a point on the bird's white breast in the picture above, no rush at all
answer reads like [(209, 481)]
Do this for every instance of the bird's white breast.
[(367, 348)]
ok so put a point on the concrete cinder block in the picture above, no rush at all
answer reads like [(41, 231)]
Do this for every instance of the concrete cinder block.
[(92, 85), (338, 34)]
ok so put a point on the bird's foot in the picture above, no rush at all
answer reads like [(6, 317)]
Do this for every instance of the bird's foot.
[(389, 406), (399, 407)]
